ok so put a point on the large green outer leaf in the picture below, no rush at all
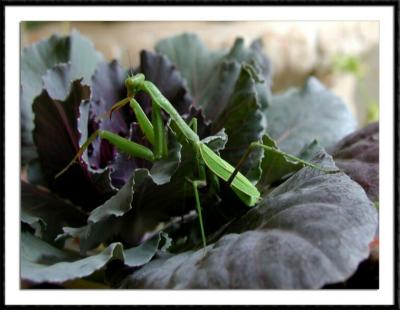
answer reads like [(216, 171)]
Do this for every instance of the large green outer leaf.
[(300, 116), (312, 230), (42, 56), (40, 262), (211, 74), (195, 61), (244, 123)]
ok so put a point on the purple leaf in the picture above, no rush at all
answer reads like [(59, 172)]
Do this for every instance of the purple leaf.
[(358, 155), (311, 230), (123, 164), (41, 206), (56, 137), (107, 89)]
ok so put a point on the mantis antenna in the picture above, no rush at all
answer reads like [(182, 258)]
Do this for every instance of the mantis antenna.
[(121, 103), (130, 63)]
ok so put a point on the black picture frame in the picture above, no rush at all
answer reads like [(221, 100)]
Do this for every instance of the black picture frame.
[(394, 4)]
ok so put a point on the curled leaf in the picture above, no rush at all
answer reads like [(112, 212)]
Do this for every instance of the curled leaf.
[(42, 263), (42, 56)]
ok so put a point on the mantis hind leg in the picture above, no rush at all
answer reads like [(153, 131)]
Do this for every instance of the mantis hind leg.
[(276, 151), (127, 146), (196, 184)]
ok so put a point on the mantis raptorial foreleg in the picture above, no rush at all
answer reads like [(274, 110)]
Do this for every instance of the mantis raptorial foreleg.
[(144, 123)]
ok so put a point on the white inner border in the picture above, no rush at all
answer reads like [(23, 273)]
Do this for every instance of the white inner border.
[(13, 294)]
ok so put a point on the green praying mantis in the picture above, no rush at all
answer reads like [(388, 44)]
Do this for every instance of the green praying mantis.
[(155, 133)]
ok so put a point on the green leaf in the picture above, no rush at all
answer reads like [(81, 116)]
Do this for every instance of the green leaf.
[(47, 213), (244, 123), (42, 56), (211, 74), (260, 64), (308, 152), (313, 229), (300, 116), (195, 62), (275, 166)]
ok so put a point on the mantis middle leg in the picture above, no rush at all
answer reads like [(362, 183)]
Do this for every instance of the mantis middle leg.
[(124, 145), (200, 182)]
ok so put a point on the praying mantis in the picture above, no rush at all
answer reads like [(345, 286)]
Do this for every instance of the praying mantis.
[(155, 133)]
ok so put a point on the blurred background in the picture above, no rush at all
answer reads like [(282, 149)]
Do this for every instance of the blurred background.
[(343, 55)]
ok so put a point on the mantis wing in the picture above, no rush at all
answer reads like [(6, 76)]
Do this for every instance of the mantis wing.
[(246, 191)]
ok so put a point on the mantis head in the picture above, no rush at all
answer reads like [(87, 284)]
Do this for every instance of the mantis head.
[(134, 84)]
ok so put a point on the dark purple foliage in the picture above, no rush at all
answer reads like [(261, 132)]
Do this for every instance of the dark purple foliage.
[(358, 155), (56, 137)]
